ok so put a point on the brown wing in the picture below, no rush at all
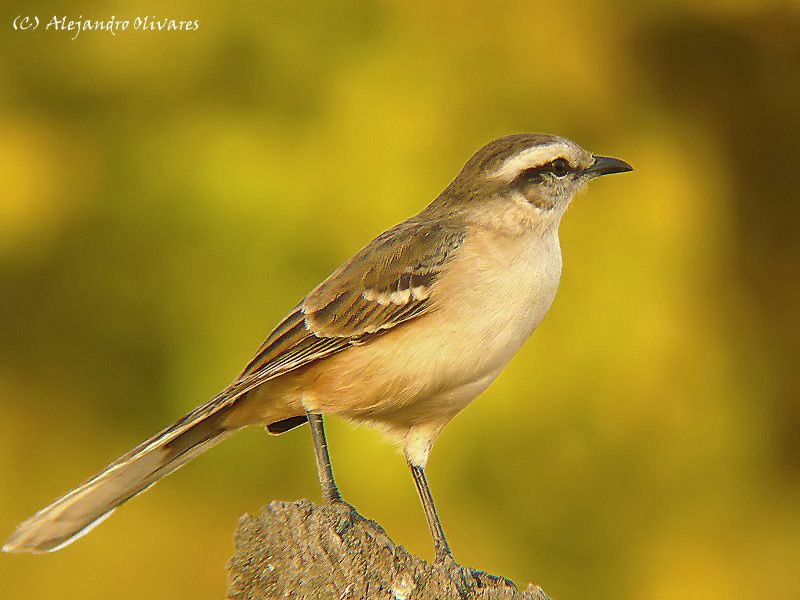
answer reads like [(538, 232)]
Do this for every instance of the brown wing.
[(387, 283)]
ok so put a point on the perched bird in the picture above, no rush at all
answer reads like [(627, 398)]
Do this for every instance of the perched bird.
[(402, 336)]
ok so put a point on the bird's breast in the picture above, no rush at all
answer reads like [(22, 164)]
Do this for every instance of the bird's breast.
[(489, 299), (496, 293)]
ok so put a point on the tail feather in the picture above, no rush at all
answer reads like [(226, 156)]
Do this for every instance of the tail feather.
[(76, 513)]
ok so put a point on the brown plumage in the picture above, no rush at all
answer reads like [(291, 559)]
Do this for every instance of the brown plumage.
[(402, 336)]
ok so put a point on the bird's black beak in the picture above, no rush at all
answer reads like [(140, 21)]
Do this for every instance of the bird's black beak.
[(605, 165)]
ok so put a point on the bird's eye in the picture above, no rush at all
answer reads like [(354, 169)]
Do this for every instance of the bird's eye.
[(559, 167)]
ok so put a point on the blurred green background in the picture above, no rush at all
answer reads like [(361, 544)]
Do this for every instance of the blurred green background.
[(166, 197)]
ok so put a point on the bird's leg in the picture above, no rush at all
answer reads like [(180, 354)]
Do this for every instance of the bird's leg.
[(326, 481), (443, 553)]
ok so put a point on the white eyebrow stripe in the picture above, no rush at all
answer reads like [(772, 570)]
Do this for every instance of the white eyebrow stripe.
[(531, 157)]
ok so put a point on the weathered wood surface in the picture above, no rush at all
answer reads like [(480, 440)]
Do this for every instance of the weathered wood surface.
[(304, 550)]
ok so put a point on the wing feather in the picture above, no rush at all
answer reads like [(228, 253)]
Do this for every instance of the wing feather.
[(384, 285)]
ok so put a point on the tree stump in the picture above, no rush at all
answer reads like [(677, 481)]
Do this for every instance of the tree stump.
[(303, 550)]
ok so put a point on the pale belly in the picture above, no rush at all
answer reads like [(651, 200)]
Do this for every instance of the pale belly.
[(427, 370)]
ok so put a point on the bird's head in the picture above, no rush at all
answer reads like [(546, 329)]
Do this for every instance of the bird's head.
[(538, 173)]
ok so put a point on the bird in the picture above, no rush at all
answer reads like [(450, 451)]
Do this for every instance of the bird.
[(401, 337)]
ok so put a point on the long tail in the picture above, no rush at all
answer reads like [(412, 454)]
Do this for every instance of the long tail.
[(85, 507)]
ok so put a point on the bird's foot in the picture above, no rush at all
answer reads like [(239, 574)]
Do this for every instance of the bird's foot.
[(483, 579), (331, 494), (466, 578), (460, 576), (444, 557)]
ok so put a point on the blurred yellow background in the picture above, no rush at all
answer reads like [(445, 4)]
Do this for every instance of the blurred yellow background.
[(166, 197)]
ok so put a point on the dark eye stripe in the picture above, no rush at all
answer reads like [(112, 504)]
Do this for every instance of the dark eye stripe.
[(559, 167)]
